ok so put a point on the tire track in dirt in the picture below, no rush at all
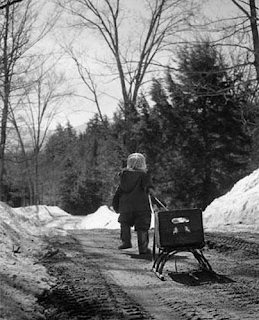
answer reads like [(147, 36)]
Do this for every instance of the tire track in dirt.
[(214, 301), (96, 281), (83, 292), (242, 297), (222, 242), (201, 301), (189, 310), (219, 297)]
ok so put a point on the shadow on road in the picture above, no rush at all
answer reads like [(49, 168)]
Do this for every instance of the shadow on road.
[(198, 277), (147, 257)]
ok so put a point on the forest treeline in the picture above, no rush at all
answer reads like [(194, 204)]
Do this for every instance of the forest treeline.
[(198, 132)]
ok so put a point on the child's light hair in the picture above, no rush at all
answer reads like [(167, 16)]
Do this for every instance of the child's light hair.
[(136, 161)]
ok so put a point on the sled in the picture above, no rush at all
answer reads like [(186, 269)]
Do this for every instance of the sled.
[(178, 231)]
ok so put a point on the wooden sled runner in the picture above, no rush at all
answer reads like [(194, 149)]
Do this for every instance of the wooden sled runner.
[(178, 231)]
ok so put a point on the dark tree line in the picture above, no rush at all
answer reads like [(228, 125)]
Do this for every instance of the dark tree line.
[(205, 139), (196, 134)]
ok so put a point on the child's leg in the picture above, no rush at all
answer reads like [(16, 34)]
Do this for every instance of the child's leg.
[(125, 236), (142, 225), (143, 240)]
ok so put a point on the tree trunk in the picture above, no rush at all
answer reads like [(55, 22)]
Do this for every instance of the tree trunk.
[(5, 105), (253, 23)]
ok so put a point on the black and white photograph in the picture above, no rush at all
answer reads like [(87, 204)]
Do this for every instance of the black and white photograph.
[(129, 159)]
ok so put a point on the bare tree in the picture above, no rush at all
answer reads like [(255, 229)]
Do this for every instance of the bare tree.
[(249, 9), (32, 118), (134, 55), (6, 3), (238, 33), (13, 39), (88, 79), (16, 39)]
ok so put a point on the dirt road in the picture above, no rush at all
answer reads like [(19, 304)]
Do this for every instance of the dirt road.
[(97, 281)]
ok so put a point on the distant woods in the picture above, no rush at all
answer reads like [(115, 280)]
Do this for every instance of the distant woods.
[(197, 132)]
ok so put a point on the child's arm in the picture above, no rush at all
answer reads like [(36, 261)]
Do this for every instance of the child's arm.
[(148, 184), (116, 199)]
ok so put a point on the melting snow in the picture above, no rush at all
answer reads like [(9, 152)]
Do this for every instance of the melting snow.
[(237, 210)]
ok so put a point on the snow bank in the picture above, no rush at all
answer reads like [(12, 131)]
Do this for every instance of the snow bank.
[(102, 218), (16, 224), (237, 210), (41, 214), (22, 277), (36, 218), (16, 231), (24, 224)]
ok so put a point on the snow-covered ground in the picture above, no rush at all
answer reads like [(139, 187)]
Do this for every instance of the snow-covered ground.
[(237, 210)]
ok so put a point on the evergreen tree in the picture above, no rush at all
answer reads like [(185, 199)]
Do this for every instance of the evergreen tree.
[(200, 112), (81, 169), (100, 160), (59, 166), (218, 142)]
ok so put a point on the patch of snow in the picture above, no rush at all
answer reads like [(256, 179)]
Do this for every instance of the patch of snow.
[(41, 213), (102, 218), (238, 209)]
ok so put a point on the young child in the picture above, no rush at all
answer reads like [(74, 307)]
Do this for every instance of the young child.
[(131, 201)]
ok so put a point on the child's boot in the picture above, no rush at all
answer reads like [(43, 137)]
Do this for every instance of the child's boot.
[(143, 240), (125, 237)]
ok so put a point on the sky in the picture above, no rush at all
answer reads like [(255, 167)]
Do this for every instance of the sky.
[(92, 52), (80, 110)]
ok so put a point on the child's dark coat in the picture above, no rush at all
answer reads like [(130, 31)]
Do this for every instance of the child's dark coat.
[(131, 198)]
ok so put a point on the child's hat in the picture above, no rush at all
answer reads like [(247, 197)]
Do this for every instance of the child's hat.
[(136, 161)]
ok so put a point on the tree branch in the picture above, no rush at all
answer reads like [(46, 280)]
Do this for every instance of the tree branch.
[(9, 3)]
